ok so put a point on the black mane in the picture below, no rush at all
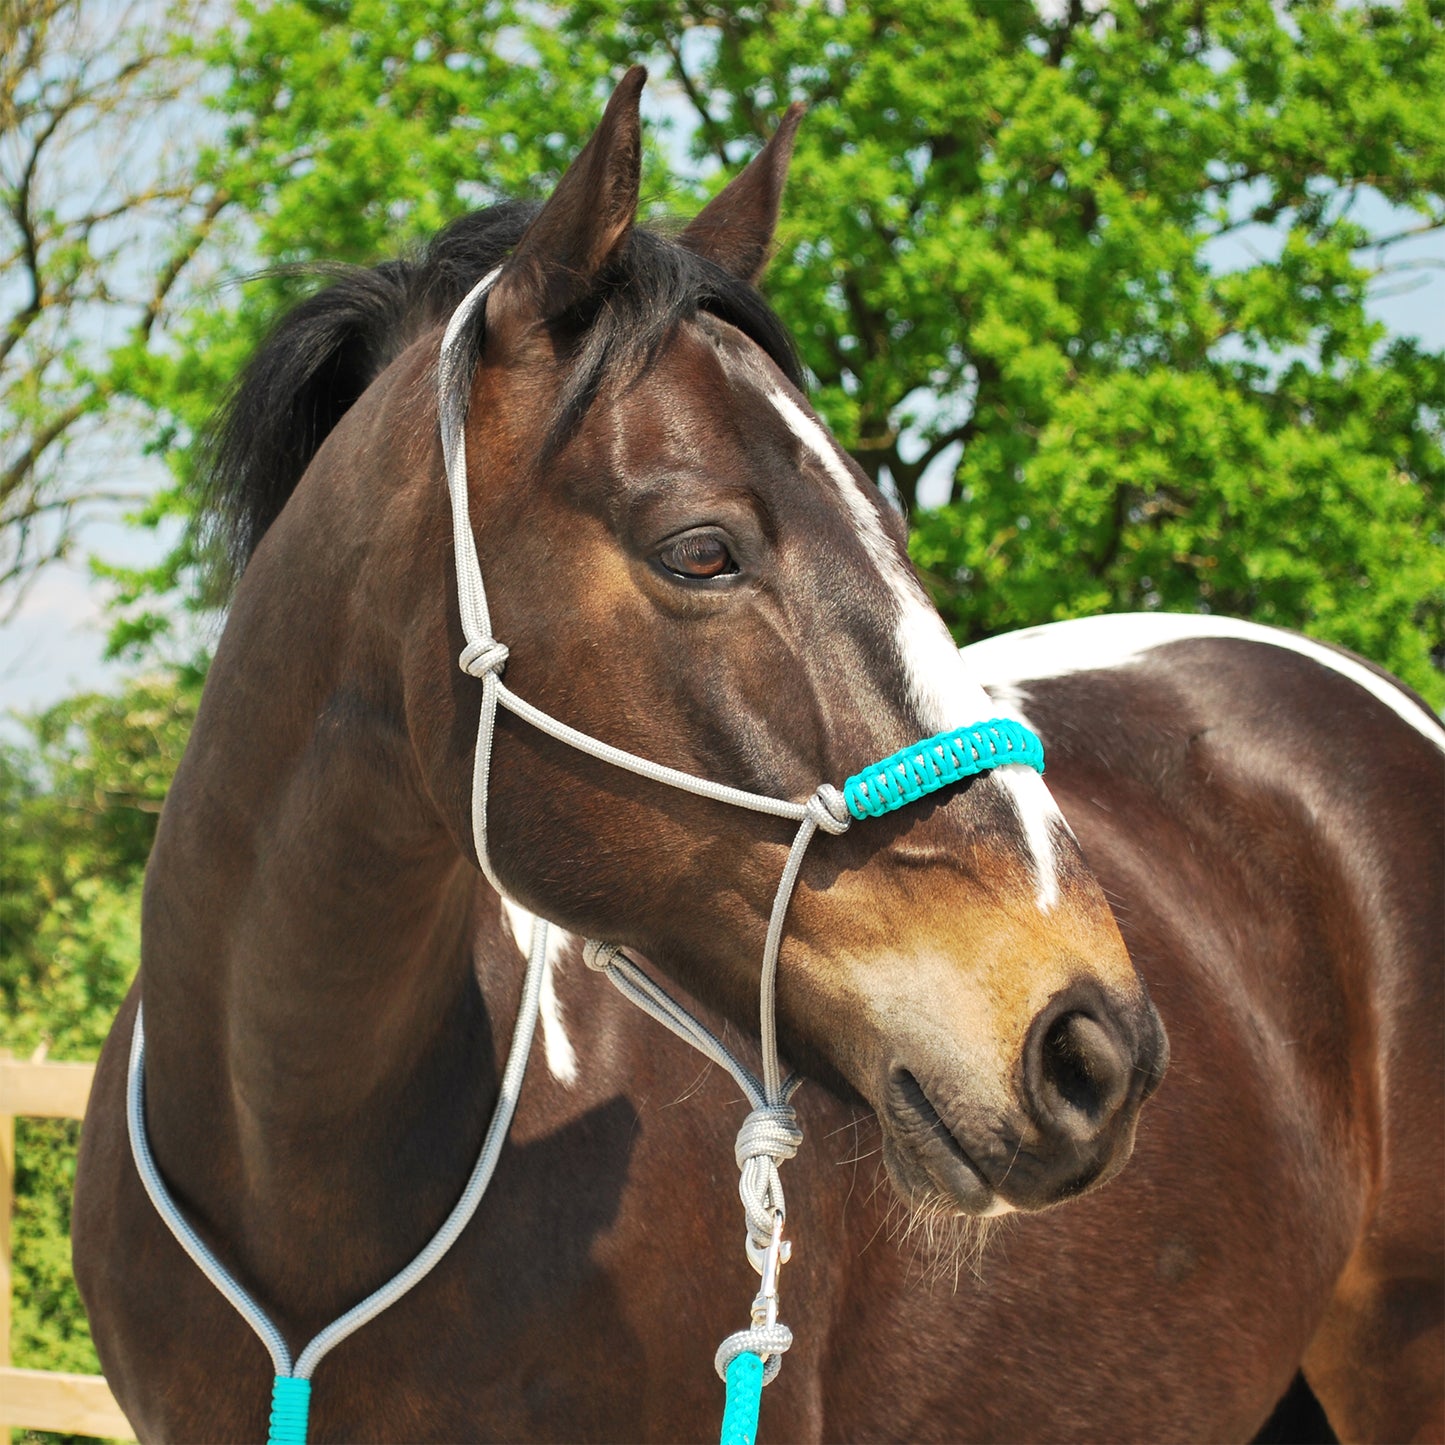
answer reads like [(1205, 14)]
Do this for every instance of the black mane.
[(326, 351)]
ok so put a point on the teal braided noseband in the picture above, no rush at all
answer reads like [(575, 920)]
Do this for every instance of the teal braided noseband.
[(938, 761)]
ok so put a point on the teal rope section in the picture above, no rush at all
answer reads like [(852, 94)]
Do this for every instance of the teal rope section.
[(290, 1406), (744, 1397), (938, 761)]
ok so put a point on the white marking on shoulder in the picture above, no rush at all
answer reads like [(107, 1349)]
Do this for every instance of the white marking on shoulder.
[(1089, 644), (561, 1057)]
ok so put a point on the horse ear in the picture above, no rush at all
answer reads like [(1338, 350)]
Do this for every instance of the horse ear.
[(557, 261), (735, 228)]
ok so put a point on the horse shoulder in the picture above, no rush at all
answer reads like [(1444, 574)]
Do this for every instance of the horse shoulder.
[(1265, 814)]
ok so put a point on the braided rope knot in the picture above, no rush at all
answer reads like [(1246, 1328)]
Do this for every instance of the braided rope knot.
[(769, 1135), (828, 808), (480, 659), (768, 1341), (600, 956)]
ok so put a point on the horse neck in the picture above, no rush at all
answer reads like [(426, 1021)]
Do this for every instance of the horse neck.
[(317, 1041)]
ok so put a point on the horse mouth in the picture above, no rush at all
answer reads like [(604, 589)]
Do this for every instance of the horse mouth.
[(925, 1157)]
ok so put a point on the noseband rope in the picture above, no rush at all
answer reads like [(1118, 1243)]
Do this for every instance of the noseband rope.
[(750, 1358)]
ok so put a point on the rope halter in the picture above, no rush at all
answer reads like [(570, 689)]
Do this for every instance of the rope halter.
[(770, 1133)]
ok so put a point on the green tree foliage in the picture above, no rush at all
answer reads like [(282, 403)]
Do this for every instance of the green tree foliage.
[(1115, 260), (79, 798), (78, 808), (1105, 265)]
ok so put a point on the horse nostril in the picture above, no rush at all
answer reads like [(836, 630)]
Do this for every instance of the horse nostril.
[(1083, 1075)]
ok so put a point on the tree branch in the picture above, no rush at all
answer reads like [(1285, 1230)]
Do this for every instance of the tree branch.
[(23, 465), (171, 271), (716, 142), (1062, 33), (907, 475), (1426, 229)]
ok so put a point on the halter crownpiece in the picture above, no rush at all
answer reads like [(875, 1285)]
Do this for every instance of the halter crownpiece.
[(770, 1134)]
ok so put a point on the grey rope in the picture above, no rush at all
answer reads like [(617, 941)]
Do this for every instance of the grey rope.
[(645, 767), (176, 1222), (768, 1340), (770, 1133), (381, 1299), (768, 1136), (483, 657)]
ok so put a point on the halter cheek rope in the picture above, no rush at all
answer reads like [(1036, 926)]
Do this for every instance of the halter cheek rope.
[(751, 1358)]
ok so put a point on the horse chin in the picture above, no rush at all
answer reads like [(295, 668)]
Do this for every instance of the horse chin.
[(942, 1241), (925, 1159)]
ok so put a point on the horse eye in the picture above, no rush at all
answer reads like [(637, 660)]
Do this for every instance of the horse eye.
[(698, 555)]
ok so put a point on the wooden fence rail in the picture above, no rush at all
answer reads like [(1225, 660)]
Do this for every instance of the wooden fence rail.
[(44, 1399)]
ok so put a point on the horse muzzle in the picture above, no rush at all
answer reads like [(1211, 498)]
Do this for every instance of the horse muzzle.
[(1087, 1064)]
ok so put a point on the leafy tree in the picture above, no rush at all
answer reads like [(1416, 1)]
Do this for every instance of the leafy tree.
[(99, 220), (1009, 243), (80, 804), (1014, 252)]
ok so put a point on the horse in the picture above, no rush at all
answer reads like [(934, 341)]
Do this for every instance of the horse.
[(685, 565)]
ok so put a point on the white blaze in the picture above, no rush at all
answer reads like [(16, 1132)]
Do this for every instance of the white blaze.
[(1042, 820), (941, 688)]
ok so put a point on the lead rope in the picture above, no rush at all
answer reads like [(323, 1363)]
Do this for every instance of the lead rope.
[(291, 1388), (750, 1358)]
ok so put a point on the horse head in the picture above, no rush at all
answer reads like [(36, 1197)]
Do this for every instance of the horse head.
[(686, 565)]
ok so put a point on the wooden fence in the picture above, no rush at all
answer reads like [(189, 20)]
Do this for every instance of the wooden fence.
[(44, 1399)]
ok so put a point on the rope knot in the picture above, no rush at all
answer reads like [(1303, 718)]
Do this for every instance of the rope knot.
[(769, 1135), (482, 659), (829, 809), (770, 1132), (769, 1341), (600, 956)]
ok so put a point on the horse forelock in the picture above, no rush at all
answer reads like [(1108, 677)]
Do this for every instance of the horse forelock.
[(325, 352)]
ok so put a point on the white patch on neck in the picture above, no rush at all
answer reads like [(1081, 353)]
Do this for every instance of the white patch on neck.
[(1088, 644), (941, 687), (1009, 701), (561, 1057)]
